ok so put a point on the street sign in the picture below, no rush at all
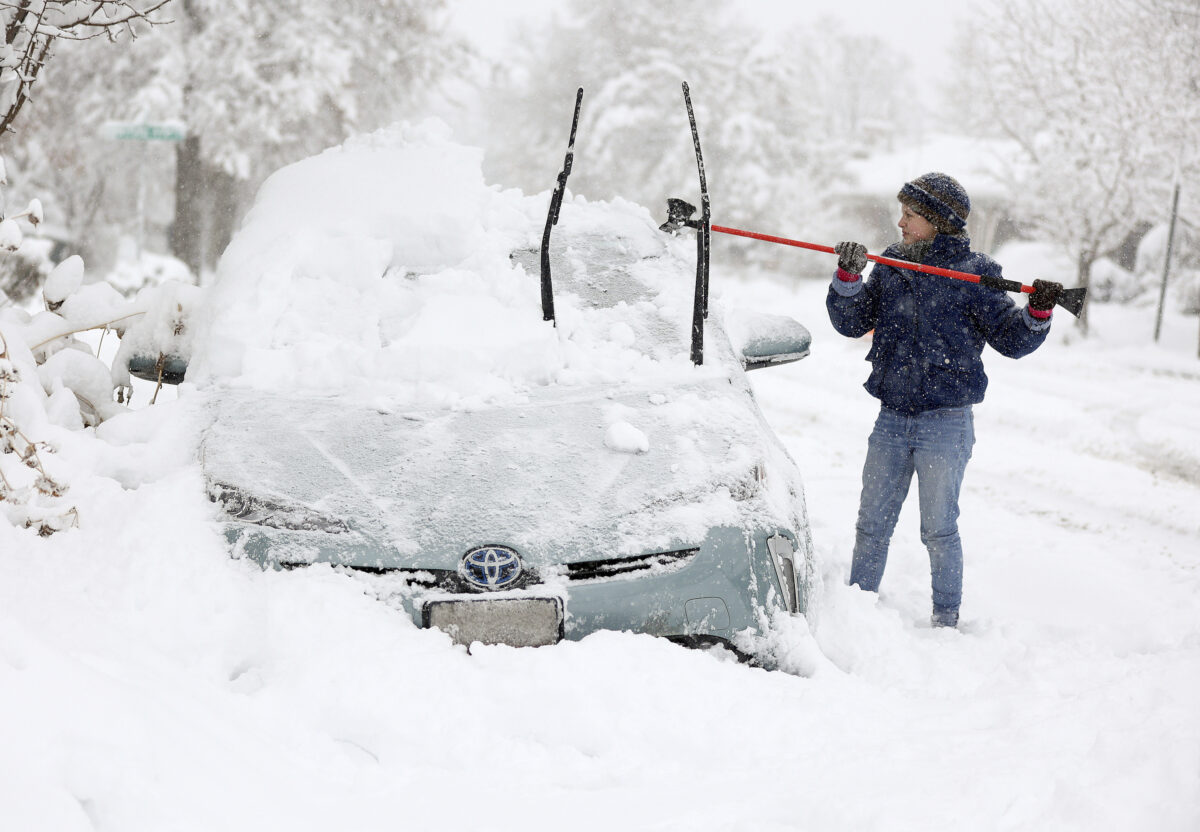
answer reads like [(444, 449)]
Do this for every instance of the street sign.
[(163, 131)]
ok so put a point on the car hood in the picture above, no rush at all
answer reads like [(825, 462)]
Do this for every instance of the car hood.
[(563, 476)]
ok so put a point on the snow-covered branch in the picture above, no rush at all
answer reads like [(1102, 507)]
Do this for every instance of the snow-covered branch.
[(31, 28)]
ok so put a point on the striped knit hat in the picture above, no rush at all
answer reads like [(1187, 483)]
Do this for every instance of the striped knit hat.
[(940, 199)]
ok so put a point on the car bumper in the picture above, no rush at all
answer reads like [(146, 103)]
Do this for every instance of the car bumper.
[(715, 590)]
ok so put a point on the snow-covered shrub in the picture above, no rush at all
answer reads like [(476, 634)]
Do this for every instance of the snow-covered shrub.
[(135, 270), (1186, 288), (1184, 279), (1109, 283), (23, 271), (50, 379), (29, 494)]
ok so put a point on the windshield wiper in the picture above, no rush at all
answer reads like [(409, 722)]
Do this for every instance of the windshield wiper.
[(700, 309), (552, 217)]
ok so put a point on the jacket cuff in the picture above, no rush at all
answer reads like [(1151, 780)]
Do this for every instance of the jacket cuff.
[(846, 288), (1035, 324)]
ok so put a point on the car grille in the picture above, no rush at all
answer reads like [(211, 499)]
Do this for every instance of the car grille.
[(448, 580), (590, 570)]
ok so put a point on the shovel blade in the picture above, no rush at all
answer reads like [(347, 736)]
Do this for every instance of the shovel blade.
[(1072, 300), (679, 215)]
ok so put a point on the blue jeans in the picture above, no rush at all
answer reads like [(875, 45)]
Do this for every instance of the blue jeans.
[(936, 445)]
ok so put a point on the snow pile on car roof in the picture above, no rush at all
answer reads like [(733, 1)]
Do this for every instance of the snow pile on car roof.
[(386, 266)]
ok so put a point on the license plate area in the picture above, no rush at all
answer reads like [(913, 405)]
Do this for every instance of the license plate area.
[(517, 622)]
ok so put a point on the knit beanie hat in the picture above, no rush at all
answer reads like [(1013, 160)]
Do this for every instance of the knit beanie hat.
[(940, 199)]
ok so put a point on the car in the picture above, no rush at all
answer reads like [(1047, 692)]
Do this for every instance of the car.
[(591, 476)]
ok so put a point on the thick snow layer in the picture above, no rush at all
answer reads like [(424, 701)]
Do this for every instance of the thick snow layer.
[(322, 287), (151, 682), (387, 267)]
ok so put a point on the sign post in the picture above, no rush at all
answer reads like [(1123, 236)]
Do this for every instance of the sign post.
[(1162, 293), (142, 131)]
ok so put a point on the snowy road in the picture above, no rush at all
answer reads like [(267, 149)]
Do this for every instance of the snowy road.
[(1068, 699), (150, 683)]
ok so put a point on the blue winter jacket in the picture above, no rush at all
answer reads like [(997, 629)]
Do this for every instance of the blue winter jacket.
[(930, 330)]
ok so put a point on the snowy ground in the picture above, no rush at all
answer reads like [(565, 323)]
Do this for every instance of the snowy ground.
[(1067, 699), (149, 682)]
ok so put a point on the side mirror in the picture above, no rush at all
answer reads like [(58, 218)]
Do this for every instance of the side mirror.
[(170, 368), (157, 345), (763, 340)]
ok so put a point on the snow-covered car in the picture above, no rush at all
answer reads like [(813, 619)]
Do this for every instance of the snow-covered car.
[(387, 400)]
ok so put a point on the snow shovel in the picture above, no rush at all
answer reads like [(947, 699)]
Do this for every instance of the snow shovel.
[(679, 215)]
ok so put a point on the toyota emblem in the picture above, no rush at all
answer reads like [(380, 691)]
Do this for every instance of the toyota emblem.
[(490, 567)]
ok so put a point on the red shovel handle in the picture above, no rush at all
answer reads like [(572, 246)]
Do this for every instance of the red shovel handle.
[(1070, 299), (1010, 285)]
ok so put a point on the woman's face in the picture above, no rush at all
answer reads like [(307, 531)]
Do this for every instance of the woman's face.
[(913, 227)]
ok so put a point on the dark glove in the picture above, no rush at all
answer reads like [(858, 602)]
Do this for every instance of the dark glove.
[(852, 257), (1045, 293)]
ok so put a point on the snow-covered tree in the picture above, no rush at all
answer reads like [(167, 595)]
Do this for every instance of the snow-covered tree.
[(859, 85), (39, 36), (32, 28), (772, 141), (258, 85), (88, 183), (1102, 97), (263, 84)]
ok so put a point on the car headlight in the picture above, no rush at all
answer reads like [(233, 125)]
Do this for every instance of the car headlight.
[(261, 511)]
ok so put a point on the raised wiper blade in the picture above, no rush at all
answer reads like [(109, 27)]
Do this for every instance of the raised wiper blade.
[(552, 216), (700, 309)]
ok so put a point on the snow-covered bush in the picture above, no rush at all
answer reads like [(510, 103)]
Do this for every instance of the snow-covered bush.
[(1110, 283), (1187, 289), (23, 271), (1184, 279), (136, 270), (51, 380), (29, 494)]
